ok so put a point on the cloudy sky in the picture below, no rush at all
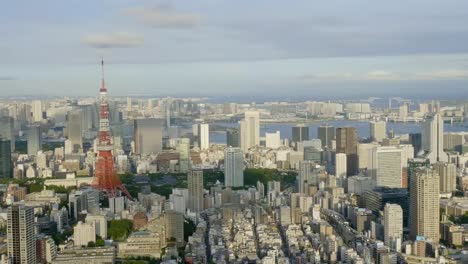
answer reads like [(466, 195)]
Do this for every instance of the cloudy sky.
[(235, 48)]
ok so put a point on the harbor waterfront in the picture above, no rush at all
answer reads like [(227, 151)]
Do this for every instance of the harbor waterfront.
[(285, 129)]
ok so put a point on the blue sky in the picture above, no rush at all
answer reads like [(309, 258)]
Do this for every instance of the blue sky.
[(223, 48)]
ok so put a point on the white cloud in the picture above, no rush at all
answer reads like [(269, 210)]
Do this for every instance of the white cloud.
[(164, 17), (379, 74), (449, 74), (113, 40)]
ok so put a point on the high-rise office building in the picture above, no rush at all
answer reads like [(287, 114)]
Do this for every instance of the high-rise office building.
[(174, 224), (300, 133), (346, 142), (326, 134), (233, 167), (413, 165), (378, 130), (21, 235), (183, 147), (87, 112), (195, 190), (148, 135), (306, 176), (447, 177), (415, 140), (403, 111), (34, 139), (393, 226), (273, 140), (424, 204), (36, 109), (340, 165), (129, 104), (454, 141), (6, 168), (313, 154), (250, 130), (377, 198), (75, 130), (386, 167), (433, 139), (7, 130), (204, 136), (232, 137)]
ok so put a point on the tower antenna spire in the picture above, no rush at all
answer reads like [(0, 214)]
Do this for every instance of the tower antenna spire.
[(103, 82)]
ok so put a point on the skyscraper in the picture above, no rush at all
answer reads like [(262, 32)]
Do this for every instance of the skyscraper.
[(424, 204), (273, 140), (36, 109), (148, 135), (313, 154), (129, 104), (7, 130), (326, 134), (183, 147), (232, 137), (340, 165), (378, 130), (174, 224), (204, 136), (195, 190), (386, 167), (6, 170), (233, 167), (250, 130), (447, 177), (305, 176), (433, 139), (346, 142), (300, 133), (393, 226), (21, 235), (34, 139), (75, 130), (415, 140)]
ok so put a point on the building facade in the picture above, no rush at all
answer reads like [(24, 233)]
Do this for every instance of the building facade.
[(424, 204), (21, 235), (233, 167)]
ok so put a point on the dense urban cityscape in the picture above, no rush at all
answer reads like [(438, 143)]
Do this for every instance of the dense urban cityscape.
[(174, 195), (170, 131)]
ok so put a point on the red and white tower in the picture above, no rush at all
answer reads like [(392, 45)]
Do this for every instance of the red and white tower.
[(105, 176)]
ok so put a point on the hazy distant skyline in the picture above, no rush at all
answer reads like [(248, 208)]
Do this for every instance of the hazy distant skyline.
[(222, 48)]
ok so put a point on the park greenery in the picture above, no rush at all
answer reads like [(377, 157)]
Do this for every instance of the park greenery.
[(460, 220), (99, 242), (119, 230), (60, 238), (36, 185), (210, 177), (253, 175)]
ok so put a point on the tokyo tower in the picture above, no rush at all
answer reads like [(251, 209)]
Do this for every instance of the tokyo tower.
[(105, 176)]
